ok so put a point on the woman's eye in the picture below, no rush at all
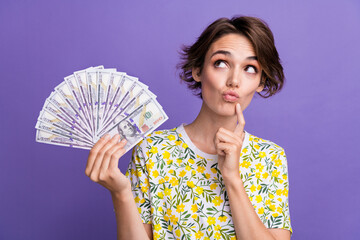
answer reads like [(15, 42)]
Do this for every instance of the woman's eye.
[(251, 69), (220, 64)]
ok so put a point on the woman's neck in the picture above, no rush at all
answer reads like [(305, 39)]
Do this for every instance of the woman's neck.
[(203, 129)]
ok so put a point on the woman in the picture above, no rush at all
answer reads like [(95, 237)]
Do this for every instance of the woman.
[(209, 179)]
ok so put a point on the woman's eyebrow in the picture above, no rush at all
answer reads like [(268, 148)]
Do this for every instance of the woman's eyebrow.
[(229, 54)]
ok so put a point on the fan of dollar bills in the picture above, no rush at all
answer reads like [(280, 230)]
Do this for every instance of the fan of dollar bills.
[(93, 102)]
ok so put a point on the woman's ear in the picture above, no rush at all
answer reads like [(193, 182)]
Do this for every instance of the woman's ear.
[(262, 84), (196, 74)]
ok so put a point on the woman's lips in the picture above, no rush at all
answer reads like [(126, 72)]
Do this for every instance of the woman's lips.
[(230, 96)]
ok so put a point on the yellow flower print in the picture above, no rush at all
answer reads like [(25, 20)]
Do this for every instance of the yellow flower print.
[(137, 199), (193, 172), (157, 227), (258, 175), (272, 207), (166, 155), (169, 212), (185, 146), (149, 140), (166, 178), (217, 201), (194, 208), (284, 176), (253, 188), (217, 235), (261, 210), (170, 227), (158, 132), (160, 195), (167, 191), (155, 173), (199, 235), (217, 227), (213, 170), (191, 161), (285, 192), (279, 209), (265, 175), (147, 153), (273, 156), (199, 190), (281, 181), (282, 153), (207, 175), (213, 186), (259, 167), (262, 154), (139, 209), (245, 164), (211, 220), (268, 202), (233, 238), (178, 233), (275, 173), (271, 196), (194, 216), (174, 219), (171, 171), (170, 161), (201, 169), (180, 208), (279, 199), (222, 218), (160, 209), (278, 162), (161, 181), (171, 137), (258, 198), (177, 143), (188, 168), (275, 214), (179, 161), (166, 218), (256, 146), (256, 139), (190, 184), (138, 173), (154, 150), (182, 173), (144, 189), (244, 150)]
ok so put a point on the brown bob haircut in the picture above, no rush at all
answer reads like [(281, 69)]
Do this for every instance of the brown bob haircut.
[(261, 38)]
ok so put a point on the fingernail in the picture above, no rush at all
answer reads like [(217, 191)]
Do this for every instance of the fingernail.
[(123, 140), (106, 136)]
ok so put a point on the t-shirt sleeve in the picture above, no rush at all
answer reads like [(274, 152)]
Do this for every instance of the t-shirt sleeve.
[(278, 192), (138, 175)]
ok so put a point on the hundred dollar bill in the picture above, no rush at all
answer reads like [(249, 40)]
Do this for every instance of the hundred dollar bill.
[(128, 91), (103, 81), (138, 124), (116, 78), (142, 97), (67, 96), (59, 131), (83, 88), (61, 104), (53, 117), (51, 138)]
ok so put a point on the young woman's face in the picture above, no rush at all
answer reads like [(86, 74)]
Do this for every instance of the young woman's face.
[(231, 74)]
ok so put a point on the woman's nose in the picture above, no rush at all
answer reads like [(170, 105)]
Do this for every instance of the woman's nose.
[(233, 79)]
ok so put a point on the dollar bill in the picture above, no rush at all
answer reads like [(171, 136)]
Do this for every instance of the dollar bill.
[(54, 139), (60, 103), (61, 132), (136, 125)]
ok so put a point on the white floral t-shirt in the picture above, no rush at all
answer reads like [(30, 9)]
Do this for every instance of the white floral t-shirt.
[(180, 191)]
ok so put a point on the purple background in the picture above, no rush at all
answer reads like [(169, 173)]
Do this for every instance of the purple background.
[(44, 193)]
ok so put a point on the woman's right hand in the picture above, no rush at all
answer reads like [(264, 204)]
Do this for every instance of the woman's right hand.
[(102, 165)]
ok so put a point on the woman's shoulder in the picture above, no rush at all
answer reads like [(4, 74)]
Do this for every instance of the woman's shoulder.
[(262, 144)]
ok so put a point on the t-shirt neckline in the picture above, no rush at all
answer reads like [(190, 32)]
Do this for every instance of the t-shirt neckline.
[(192, 146)]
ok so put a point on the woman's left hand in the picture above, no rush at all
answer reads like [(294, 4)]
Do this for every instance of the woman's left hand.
[(228, 145)]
